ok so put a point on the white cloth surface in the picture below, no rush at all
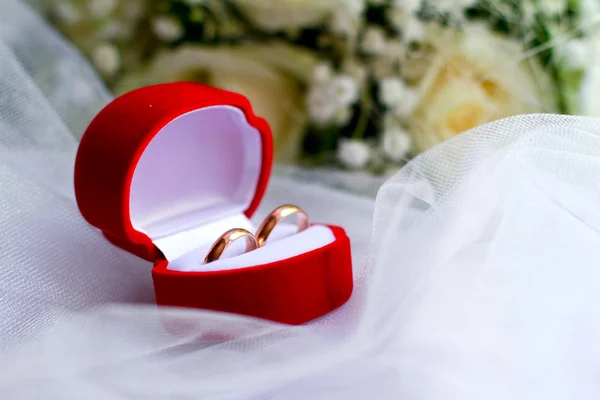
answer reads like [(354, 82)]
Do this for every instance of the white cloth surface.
[(477, 278)]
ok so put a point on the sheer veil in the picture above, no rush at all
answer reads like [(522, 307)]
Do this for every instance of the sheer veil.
[(476, 267)]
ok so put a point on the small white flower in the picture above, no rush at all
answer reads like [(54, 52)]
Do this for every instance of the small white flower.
[(167, 28), (355, 7), (357, 71), (344, 24), (410, 6), (67, 12), (390, 121), (353, 154), (321, 107), (396, 144), (414, 31), (553, 7), (133, 9), (344, 89), (101, 8), (374, 41), (106, 58), (116, 30), (575, 54), (397, 17), (343, 115), (391, 91), (396, 50), (383, 68), (322, 72), (456, 7), (347, 16), (408, 104), (396, 96)]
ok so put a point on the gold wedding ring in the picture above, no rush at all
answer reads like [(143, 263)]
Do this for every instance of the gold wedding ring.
[(226, 239), (275, 217)]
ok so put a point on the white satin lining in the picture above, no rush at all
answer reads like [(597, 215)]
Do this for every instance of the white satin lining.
[(200, 172)]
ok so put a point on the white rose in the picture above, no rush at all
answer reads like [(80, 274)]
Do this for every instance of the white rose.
[(396, 143), (285, 14), (476, 77), (270, 75), (353, 154)]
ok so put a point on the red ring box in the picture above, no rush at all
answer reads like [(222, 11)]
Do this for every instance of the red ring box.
[(163, 170)]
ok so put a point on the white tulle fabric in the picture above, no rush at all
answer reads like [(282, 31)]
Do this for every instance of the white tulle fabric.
[(478, 278)]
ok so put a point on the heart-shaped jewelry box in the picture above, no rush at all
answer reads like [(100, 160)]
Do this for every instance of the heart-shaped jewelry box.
[(164, 170)]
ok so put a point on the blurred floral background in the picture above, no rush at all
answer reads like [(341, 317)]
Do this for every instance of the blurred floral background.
[(356, 84)]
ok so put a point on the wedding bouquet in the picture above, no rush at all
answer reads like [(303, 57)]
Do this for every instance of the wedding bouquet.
[(364, 84)]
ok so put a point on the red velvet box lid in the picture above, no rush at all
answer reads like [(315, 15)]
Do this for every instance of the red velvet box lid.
[(131, 168)]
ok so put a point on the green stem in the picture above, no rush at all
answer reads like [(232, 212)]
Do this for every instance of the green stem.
[(363, 120)]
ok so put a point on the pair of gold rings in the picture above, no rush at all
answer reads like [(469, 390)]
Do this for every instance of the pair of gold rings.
[(253, 242)]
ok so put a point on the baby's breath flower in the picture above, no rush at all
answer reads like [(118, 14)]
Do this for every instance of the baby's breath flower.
[(396, 50), (553, 7), (408, 104), (391, 91), (101, 8), (344, 89), (353, 154), (414, 31), (321, 107), (167, 28), (66, 12), (574, 53), (356, 70), (397, 17), (322, 72), (374, 41), (106, 58), (116, 30), (343, 115), (133, 9), (411, 6), (396, 144), (347, 17)]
